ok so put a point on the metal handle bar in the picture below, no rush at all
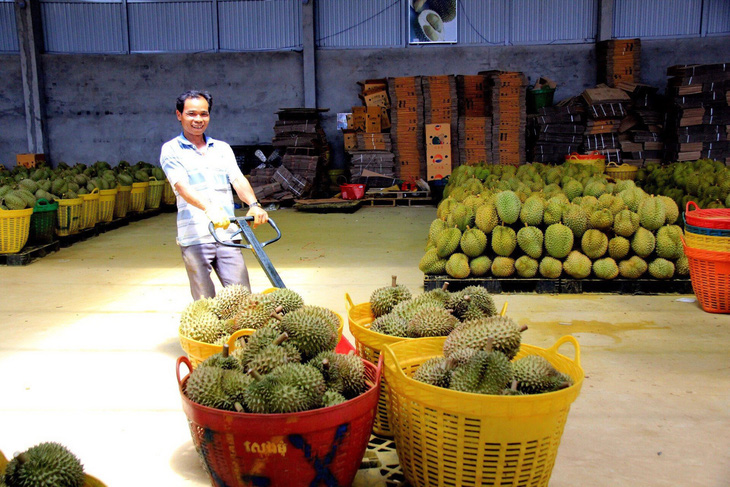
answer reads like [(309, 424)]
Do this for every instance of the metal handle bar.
[(239, 221)]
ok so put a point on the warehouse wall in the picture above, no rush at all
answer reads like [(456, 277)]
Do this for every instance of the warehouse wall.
[(111, 107)]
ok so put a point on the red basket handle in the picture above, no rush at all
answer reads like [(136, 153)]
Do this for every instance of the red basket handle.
[(182, 360), (686, 209), (573, 341)]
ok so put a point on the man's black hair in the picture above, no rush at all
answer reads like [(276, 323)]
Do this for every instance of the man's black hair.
[(180, 105)]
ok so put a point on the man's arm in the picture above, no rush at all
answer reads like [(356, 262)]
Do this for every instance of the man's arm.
[(214, 212), (245, 193)]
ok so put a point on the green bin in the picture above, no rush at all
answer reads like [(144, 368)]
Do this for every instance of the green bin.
[(42, 222), (541, 98)]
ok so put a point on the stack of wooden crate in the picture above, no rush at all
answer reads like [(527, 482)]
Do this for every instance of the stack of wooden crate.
[(474, 128), (407, 126), (506, 105), (618, 60)]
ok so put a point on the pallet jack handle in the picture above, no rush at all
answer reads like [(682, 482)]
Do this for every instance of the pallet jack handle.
[(253, 243)]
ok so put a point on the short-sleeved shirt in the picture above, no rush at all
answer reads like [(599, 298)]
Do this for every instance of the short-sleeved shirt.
[(210, 173)]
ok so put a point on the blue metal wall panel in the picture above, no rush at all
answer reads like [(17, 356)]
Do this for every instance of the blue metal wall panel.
[(361, 23), (552, 21), (259, 25), (183, 26), (718, 17), (657, 18), (83, 27), (8, 28), (482, 22)]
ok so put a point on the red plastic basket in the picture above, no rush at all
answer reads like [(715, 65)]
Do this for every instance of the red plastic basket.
[(352, 191), (709, 218), (318, 447), (710, 274)]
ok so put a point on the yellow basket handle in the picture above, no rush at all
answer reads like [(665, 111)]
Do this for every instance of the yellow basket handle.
[(504, 309), (3, 460), (94, 191), (611, 164), (573, 156), (565, 339), (348, 302), (238, 334)]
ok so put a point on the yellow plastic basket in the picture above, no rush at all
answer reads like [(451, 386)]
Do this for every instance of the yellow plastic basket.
[(154, 194), (69, 216), (107, 200), (89, 481), (594, 159), (707, 242), (122, 201), (459, 439), (138, 197), (199, 351), (369, 344), (624, 171), (89, 209), (168, 195), (14, 230)]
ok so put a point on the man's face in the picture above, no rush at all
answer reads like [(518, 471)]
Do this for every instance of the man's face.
[(194, 117)]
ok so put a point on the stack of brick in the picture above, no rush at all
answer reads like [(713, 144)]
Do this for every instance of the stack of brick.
[(698, 121), (407, 130), (440, 106), (640, 135), (618, 60), (605, 109), (556, 131), (506, 105), (306, 151), (474, 128)]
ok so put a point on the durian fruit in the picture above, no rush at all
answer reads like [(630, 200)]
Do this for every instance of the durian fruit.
[(577, 265), (295, 387), (573, 189), (504, 240), (352, 370), (530, 240), (652, 213), (204, 387), (605, 268), (485, 372), (390, 324), (526, 266), (661, 268), (332, 398), (643, 242), (553, 211), (670, 208), (632, 268), (327, 364), (288, 299), (669, 242), (431, 321), (47, 464), (234, 384), (266, 359), (558, 240), (431, 263), (457, 266), (254, 312), (508, 206), (532, 211), (383, 299), (512, 390), (503, 266), (199, 322), (473, 242), (309, 331), (505, 335), (446, 9), (618, 247), (681, 266), (222, 360), (479, 303), (550, 267), (601, 219), (576, 218), (435, 371), (228, 300), (480, 266), (486, 218), (594, 243), (448, 242), (437, 226), (535, 375), (625, 223)]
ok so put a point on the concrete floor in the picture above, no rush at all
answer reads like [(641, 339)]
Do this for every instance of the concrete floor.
[(88, 343)]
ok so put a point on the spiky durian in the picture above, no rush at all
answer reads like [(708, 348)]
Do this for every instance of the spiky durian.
[(47, 464)]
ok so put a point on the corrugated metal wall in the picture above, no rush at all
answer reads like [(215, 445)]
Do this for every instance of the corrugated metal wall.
[(717, 13), (482, 22), (361, 23), (259, 25), (657, 18), (85, 27), (8, 27), (552, 21), (171, 26)]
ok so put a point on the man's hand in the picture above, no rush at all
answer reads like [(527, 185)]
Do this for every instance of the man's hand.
[(259, 215), (218, 216)]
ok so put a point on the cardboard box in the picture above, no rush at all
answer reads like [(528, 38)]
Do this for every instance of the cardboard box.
[(384, 119), (350, 139), (376, 99), (372, 120), (371, 85), (438, 164), (438, 134), (30, 160)]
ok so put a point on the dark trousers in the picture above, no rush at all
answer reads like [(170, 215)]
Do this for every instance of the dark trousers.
[(227, 262)]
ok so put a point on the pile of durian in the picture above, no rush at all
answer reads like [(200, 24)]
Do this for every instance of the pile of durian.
[(21, 188), (550, 222), (214, 320), (47, 464), (433, 313), (478, 358)]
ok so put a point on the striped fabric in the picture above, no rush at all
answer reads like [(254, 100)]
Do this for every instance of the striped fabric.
[(210, 173)]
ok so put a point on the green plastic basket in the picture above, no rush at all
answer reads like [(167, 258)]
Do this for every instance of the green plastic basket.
[(541, 98), (42, 222)]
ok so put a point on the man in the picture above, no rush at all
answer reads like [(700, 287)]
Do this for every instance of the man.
[(201, 170)]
